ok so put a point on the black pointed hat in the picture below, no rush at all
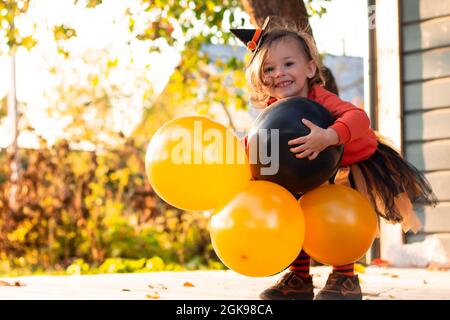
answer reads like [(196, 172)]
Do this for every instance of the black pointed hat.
[(252, 38)]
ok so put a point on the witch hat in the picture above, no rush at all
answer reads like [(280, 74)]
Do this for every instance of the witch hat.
[(252, 38)]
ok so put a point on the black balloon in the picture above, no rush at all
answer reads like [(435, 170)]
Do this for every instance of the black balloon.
[(296, 175)]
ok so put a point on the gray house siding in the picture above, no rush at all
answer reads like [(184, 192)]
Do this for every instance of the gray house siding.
[(425, 51)]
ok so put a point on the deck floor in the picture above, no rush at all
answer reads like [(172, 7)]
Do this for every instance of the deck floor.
[(377, 284)]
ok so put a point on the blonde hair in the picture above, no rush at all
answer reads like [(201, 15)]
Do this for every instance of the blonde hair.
[(255, 72)]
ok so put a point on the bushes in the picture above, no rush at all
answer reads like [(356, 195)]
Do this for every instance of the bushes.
[(77, 210)]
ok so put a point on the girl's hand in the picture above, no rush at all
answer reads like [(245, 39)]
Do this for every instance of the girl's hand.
[(313, 143)]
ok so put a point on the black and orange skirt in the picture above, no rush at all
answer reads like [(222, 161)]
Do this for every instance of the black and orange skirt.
[(391, 184)]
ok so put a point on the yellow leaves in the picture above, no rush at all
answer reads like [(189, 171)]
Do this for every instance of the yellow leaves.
[(177, 76), (160, 3), (28, 42), (93, 3), (240, 104), (133, 165), (94, 79), (79, 266), (203, 109), (114, 265), (47, 201), (63, 32), (360, 268), (9, 10), (153, 295), (135, 264), (315, 8), (239, 80), (112, 63), (63, 51), (97, 190), (154, 264), (82, 163), (113, 210), (20, 232), (121, 176), (171, 219), (210, 5), (218, 63)]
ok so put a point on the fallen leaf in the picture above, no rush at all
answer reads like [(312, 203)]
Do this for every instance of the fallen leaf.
[(381, 262), (371, 294), (394, 275), (360, 268), (126, 290), (391, 296), (376, 294), (7, 284), (157, 286), (437, 267), (188, 284), (154, 295), (425, 282)]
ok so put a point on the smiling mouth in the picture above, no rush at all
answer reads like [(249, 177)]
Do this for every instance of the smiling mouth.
[(284, 84)]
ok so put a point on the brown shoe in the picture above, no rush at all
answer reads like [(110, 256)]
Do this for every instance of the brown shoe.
[(290, 287), (340, 287)]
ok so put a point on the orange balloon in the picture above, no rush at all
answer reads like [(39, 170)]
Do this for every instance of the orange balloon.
[(341, 224), (192, 162), (259, 231)]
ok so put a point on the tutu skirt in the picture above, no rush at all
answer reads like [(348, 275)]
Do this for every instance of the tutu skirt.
[(391, 184)]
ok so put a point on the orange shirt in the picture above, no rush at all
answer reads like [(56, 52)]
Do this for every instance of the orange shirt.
[(351, 124)]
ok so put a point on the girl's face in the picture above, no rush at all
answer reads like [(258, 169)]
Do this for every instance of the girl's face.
[(287, 69)]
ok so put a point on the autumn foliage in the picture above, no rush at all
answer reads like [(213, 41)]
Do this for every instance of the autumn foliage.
[(87, 207)]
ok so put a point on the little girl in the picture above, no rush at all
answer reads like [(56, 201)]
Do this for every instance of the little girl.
[(286, 63)]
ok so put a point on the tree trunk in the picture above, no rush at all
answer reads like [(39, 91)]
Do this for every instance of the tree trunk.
[(290, 10), (13, 149)]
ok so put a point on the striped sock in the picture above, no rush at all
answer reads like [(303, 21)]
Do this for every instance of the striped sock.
[(348, 269), (301, 265)]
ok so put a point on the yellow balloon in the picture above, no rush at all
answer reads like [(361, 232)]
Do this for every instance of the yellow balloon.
[(341, 224), (259, 231), (192, 162)]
